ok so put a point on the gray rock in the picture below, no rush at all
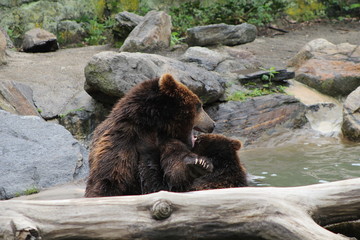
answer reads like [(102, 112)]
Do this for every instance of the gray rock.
[(204, 57), (109, 75), (237, 60), (351, 116), (17, 98), (152, 34), (250, 119), (125, 23), (329, 68), (39, 40), (221, 34), (2, 48), (229, 62), (81, 116), (37, 154)]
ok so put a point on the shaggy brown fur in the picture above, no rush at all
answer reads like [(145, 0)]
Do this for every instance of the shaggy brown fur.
[(228, 170), (127, 147)]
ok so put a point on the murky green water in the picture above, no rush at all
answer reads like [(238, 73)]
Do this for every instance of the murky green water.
[(302, 163)]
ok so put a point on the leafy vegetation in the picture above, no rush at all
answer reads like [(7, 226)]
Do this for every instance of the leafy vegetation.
[(304, 10), (193, 13), (257, 12), (96, 33), (256, 89), (175, 39), (341, 8), (256, 92), (29, 191)]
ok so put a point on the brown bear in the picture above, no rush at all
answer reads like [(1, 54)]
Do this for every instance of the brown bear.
[(145, 143), (223, 152)]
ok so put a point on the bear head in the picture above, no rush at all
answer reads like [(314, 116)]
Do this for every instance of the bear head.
[(186, 107), (169, 107), (220, 149)]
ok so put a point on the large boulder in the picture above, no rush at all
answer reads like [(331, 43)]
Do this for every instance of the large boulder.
[(109, 75), (351, 117), (224, 34), (250, 119), (36, 154), (2, 48), (17, 98), (152, 34), (224, 60), (125, 22), (329, 68), (203, 57), (229, 62), (39, 40)]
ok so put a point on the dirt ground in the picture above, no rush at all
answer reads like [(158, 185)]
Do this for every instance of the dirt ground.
[(276, 48)]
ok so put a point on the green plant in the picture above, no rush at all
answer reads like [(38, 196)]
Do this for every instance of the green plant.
[(116, 6), (255, 92), (256, 89), (267, 77), (96, 33), (15, 33), (195, 13), (28, 191), (175, 39), (341, 8), (305, 10)]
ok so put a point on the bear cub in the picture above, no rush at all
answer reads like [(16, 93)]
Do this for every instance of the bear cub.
[(228, 171)]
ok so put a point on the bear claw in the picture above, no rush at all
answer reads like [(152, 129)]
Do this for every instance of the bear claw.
[(198, 166)]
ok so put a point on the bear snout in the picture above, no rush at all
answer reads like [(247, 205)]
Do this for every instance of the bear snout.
[(203, 122)]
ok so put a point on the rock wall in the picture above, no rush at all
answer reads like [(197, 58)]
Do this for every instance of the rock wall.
[(58, 17)]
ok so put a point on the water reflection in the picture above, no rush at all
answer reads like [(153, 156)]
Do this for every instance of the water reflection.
[(308, 161)]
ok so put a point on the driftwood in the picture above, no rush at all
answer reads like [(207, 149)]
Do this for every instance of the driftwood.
[(280, 75), (237, 213)]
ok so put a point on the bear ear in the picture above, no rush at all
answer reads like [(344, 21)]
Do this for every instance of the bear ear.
[(167, 83), (236, 144)]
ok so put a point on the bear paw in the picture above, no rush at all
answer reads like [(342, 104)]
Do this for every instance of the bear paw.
[(199, 166)]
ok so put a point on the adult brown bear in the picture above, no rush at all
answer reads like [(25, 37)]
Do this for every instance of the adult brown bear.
[(153, 121)]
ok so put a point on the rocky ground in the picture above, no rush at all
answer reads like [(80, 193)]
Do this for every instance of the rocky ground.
[(276, 48), (57, 78)]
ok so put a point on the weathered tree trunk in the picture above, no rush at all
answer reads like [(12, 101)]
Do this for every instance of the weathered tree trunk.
[(237, 213)]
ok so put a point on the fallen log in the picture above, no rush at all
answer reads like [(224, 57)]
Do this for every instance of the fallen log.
[(236, 213)]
